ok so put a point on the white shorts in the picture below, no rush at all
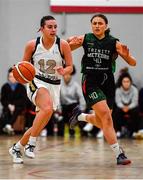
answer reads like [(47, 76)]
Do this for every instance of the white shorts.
[(53, 89)]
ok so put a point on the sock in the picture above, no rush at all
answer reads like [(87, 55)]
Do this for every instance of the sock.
[(82, 117), (32, 140), (18, 145), (116, 148)]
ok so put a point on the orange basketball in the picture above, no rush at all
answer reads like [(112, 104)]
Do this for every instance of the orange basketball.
[(24, 72)]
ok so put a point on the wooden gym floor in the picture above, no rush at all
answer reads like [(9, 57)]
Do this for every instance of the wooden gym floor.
[(68, 158)]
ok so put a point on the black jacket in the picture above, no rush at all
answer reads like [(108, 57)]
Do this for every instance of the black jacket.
[(17, 97)]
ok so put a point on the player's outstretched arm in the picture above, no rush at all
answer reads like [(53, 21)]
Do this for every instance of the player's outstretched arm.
[(123, 51), (75, 41), (66, 51)]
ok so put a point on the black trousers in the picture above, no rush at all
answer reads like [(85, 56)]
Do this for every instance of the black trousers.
[(8, 118), (130, 119), (66, 113)]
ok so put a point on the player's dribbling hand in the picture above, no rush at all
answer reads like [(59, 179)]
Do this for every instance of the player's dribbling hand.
[(75, 40)]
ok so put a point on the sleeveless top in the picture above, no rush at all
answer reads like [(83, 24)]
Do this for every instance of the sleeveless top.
[(45, 60), (99, 54)]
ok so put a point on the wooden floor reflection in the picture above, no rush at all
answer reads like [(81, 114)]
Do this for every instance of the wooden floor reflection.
[(65, 158)]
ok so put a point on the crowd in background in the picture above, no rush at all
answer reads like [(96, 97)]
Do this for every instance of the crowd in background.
[(18, 112)]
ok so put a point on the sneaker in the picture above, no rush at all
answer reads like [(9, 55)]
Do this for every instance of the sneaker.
[(122, 159), (29, 151), (100, 134), (16, 154), (88, 127), (43, 133), (118, 134), (138, 135), (73, 121)]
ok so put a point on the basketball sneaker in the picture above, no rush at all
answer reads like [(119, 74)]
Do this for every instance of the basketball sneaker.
[(73, 121), (122, 159), (16, 154), (88, 127), (29, 151)]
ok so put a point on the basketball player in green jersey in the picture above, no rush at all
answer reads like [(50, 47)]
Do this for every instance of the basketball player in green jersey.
[(100, 51)]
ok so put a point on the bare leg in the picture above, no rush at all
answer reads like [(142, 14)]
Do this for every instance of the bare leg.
[(104, 116), (44, 103), (25, 137), (103, 120), (94, 119)]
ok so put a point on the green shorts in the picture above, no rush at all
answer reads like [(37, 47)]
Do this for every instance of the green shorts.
[(94, 91)]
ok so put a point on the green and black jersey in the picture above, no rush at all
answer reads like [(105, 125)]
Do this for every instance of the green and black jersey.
[(98, 64), (98, 54)]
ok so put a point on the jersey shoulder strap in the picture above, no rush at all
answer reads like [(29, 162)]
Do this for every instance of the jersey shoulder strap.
[(59, 46), (113, 38), (37, 42), (89, 37)]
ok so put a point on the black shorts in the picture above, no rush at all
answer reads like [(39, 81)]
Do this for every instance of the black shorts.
[(97, 88)]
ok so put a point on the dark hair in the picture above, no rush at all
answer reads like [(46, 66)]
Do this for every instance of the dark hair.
[(46, 18), (104, 18), (101, 16), (127, 75), (122, 76), (10, 70)]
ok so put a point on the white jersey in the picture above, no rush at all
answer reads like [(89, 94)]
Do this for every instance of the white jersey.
[(46, 60), (46, 76)]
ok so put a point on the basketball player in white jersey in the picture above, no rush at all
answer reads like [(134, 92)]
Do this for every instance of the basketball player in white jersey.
[(52, 59)]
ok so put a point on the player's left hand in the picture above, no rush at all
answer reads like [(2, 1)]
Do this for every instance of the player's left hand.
[(60, 70)]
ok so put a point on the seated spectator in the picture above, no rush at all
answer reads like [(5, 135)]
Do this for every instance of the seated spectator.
[(122, 73), (126, 117), (71, 95), (13, 100)]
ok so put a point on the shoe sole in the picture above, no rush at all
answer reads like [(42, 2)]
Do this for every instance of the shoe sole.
[(29, 157), (125, 163)]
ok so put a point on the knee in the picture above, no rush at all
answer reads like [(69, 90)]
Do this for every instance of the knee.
[(107, 119), (48, 111)]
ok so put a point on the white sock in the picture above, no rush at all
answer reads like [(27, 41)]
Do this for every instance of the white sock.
[(32, 140), (82, 117), (116, 148), (18, 145)]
